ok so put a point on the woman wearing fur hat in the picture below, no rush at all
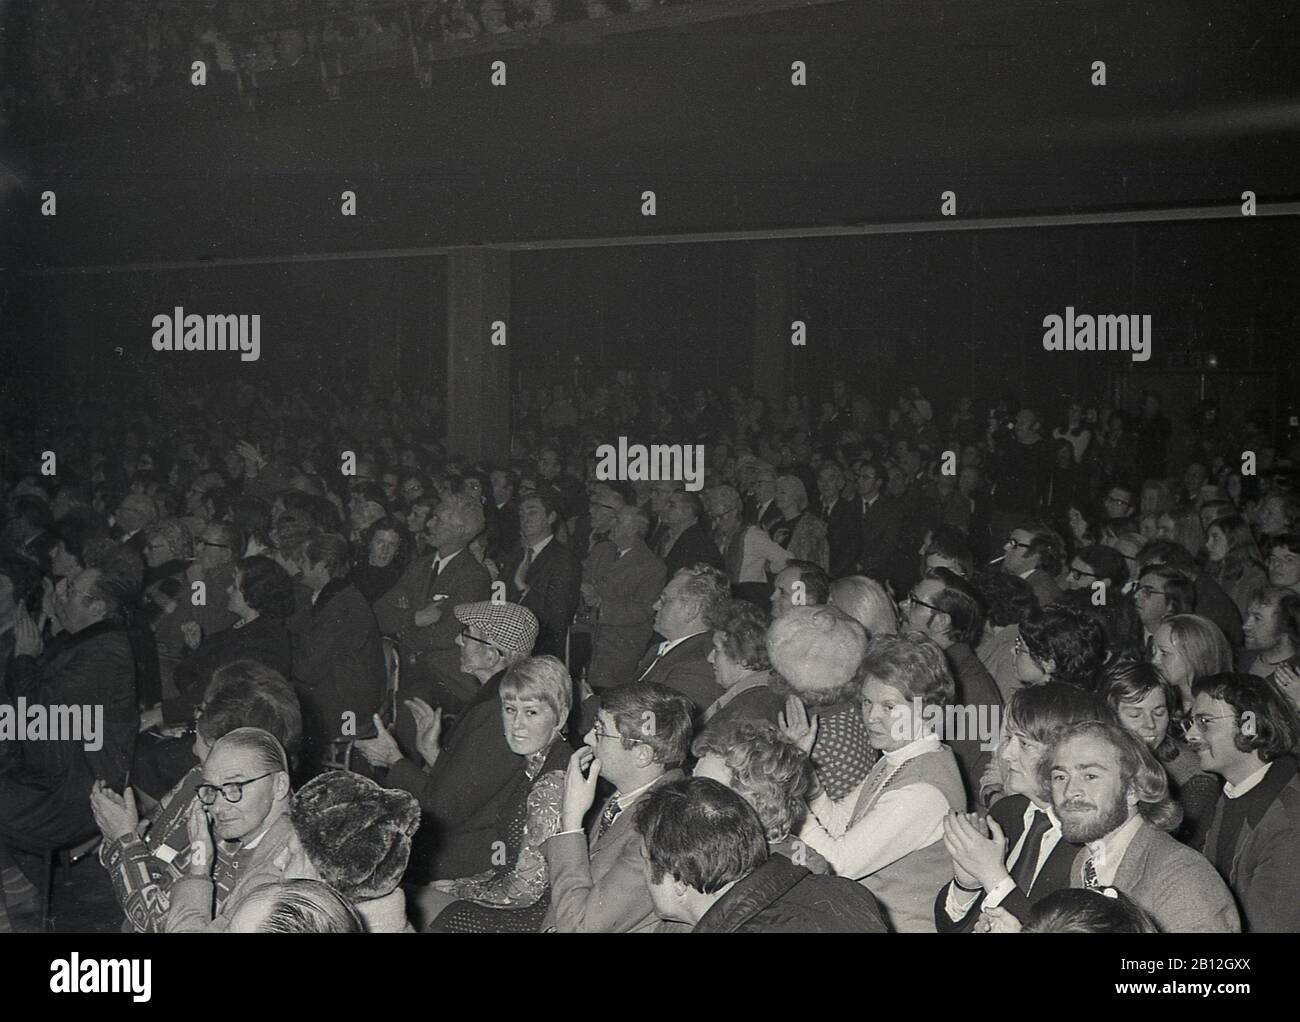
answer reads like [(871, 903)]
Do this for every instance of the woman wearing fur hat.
[(356, 836), (536, 696)]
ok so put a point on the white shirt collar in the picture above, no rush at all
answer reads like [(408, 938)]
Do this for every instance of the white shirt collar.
[(441, 562), (540, 545), (625, 799), (664, 647), (917, 747), (1109, 851), (1237, 790), (1035, 808), (1026, 574)]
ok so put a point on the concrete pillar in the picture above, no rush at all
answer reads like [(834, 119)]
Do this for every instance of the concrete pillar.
[(478, 372)]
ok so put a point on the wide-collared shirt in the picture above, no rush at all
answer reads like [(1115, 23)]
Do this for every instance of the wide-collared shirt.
[(1237, 790)]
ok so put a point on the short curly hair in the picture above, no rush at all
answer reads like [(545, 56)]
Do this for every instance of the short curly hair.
[(744, 634), (771, 774), (914, 664)]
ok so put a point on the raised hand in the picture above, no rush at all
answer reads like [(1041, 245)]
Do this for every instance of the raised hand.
[(795, 724), (382, 750), (428, 729), (27, 637), (192, 634), (202, 851), (115, 815)]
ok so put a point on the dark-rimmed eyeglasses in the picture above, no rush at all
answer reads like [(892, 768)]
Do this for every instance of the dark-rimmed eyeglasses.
[(231, 791), (598, 729), (1013, 542), (1080, 573), (466, 634), (914, 600), (208, 542), (1150, 591)]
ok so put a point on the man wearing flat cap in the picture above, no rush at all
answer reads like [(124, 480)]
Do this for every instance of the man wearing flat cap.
[(466, 780)]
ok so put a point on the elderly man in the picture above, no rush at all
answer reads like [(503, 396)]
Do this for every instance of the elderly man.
[(684, 617), (685, 541), (136, 512), (468, 780), (418, 610), (623, 579)]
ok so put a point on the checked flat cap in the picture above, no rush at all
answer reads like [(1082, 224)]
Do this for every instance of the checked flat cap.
[(511, 627)]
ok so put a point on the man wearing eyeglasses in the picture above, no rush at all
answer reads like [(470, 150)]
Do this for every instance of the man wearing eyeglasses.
[(45, 785), (216, 550), (640, 739), (1034, 552), (468, 780), (1118, 502), (1244, 731)]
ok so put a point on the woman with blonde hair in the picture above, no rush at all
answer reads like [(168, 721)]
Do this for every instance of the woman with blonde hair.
[(798, 531), (866, 601), (1187, 647)]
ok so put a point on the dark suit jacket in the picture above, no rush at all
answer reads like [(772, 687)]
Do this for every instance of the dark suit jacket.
[(338, 665), (843, 535), (554, 587), (504, 536), (1177, 885), (45, 785), (598, 884), (430, 657), (881, 525), (975, 688), (693, 546), (1054, 875), (1213, 603), (463, 793), (759, 705), (628, 587), (265, 640), (1046, 591), (686, 669), (1265, 874)]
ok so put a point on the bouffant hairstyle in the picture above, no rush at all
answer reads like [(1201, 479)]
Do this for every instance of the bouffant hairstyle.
[(866, 601), (356, 833), (768, 772)]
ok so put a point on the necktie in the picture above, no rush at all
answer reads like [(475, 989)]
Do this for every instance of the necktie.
[(1089, 874), (528, 563), (607, 818), (1023, 871), (663, 648)]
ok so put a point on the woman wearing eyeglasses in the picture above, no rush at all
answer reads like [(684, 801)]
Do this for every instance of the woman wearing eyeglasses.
[(238, 828), (1147, 705)]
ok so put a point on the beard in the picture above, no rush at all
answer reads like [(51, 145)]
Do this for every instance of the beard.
[(1084, 828)]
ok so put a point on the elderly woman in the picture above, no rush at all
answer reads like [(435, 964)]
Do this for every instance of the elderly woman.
[(536, 695), (770, 773), (144, 869), (741, 666), (1145, 704), (866, 601), (799, 531), (748, 552), (891, 840), (239, 830)]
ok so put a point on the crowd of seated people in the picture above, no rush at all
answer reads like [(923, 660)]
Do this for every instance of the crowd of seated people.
[(71, 50), (345, 679)]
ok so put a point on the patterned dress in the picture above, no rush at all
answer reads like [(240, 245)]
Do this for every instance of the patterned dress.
[(514, 896)]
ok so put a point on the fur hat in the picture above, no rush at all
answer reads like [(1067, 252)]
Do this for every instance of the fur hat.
[(816, 649), (357, 834)]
